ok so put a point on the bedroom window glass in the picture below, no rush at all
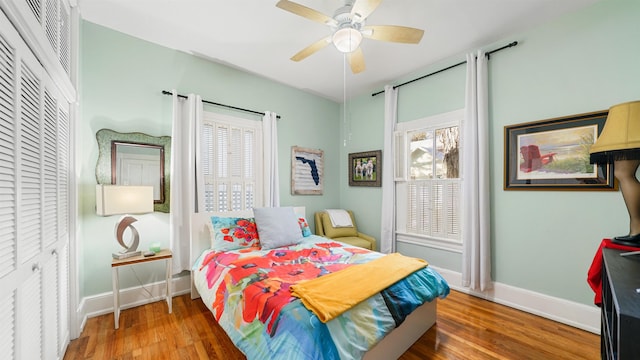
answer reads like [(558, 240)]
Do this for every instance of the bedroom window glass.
[(230, 162), (428, 194)]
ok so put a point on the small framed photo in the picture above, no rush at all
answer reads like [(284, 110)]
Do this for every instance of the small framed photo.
[(553, 154), (365, 168), (307, 169)]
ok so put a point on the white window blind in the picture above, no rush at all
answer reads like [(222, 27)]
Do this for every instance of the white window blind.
[(230, 162), (433, 208)]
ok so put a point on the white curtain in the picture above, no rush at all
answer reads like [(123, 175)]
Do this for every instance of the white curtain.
[(270, 160), (476, 250), (187, 120), (388, 215)]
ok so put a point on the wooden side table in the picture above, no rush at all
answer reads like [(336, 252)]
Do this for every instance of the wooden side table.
[(115, 264)]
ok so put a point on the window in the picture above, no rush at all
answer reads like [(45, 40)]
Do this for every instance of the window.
[(428, 192), (231, 166)]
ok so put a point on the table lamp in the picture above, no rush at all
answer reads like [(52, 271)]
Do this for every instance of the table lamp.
[(619, 143), (119, 200)]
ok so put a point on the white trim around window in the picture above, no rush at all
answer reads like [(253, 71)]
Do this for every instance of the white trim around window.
[(439, 238)]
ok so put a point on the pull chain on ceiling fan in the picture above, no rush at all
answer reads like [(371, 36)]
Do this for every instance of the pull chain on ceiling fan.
[(348, 29)]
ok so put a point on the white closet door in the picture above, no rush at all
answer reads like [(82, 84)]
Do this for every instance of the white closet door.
[(34, 205), (29, 323), (63, 226), (9, 273), (50, 307), (7, 319)]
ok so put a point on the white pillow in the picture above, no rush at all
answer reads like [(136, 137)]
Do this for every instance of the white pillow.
[(277, 226)]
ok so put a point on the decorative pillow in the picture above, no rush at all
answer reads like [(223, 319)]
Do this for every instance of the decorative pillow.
[(304, 226), (277, 226), (231, 233)]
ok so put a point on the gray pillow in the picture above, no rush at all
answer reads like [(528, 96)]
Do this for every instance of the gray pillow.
[(277, 226)]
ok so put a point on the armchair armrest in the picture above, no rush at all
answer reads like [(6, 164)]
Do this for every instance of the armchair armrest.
[(370, 239), (318, 220)]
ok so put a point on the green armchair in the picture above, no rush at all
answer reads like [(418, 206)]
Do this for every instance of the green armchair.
[(349, 235)]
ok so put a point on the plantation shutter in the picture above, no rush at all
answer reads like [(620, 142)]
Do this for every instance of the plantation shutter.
[(230, 162), (426, 174), (452, 212)]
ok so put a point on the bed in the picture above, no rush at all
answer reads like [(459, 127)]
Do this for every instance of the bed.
[(249, 290)]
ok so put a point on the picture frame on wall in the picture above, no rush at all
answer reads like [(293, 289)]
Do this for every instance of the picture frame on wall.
[(553, 154), (307, 171), (365, 168)]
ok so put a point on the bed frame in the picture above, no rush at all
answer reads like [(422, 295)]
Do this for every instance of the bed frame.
[(391, 347)]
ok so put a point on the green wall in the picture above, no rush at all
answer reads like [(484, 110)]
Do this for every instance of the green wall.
[(542, 241), (121, 80)]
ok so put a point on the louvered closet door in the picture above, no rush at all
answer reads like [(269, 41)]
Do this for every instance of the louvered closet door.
[(34, 206), (53, 17)]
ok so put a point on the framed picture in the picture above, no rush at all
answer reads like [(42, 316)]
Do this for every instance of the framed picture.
[(553, 154), (307, 167), (365, 168)]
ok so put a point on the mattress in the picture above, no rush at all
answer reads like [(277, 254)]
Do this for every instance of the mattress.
[(248, 294)]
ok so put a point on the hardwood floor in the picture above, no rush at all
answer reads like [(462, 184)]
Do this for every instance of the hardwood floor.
[(467, 328)]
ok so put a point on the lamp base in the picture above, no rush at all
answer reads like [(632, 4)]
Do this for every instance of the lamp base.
[(627, 240), (124, 255)]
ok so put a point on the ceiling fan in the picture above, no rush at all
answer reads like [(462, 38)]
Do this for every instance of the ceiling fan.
[(348, 28)]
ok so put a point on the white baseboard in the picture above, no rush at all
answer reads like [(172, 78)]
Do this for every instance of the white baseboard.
[(101, 304), (563, 311)]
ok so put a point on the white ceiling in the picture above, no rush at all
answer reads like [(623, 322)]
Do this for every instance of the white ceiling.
[(257, 37)]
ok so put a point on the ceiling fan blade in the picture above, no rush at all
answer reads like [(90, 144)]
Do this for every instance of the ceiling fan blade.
[(400, 34), (364, 8), (305, 12), (356, 61), (311, 49)]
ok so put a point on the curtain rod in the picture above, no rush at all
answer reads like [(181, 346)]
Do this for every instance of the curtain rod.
[(447, 68), (165, 92)]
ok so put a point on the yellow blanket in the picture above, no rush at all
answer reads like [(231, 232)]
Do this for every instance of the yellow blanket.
[(330, 295)]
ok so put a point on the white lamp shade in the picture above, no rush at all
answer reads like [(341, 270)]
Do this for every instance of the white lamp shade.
[(347, 39), (118, 199)]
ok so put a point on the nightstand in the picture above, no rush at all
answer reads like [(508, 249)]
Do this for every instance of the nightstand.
[(115, 264)]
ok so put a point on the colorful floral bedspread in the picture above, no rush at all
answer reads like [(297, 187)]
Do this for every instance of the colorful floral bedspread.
[(248, 293)]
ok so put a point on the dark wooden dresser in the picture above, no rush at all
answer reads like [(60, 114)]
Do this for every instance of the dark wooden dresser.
[(620, 333)]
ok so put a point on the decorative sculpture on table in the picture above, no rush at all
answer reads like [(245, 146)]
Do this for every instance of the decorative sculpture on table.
[(619, 143)]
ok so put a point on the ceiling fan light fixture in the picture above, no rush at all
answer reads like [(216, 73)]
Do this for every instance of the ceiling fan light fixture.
[(347, 39)]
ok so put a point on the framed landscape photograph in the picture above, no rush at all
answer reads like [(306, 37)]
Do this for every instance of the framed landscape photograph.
[(553, 154), (365, 168)]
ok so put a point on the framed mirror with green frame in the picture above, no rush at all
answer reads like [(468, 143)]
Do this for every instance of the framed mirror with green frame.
[(135, 159)]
